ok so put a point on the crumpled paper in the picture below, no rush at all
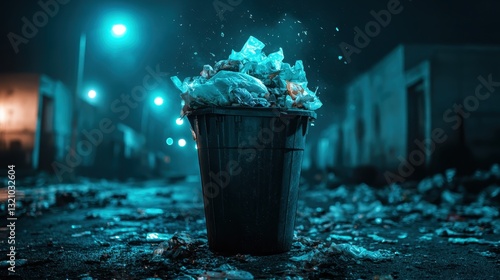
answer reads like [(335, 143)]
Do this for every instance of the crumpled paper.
[(249, 78)]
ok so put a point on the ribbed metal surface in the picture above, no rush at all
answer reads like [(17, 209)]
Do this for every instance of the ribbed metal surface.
[(250, 168)]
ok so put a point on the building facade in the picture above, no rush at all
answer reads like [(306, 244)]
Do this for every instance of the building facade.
[(419, 109)]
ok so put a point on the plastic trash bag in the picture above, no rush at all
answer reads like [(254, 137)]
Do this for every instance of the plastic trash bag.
[(249, 78), (218, 90), (362, 253), (251, 51)]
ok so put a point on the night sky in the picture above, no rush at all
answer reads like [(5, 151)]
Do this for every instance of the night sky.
[(181, 36)]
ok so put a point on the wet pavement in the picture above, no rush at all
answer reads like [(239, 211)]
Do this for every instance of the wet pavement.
[(442, 227)]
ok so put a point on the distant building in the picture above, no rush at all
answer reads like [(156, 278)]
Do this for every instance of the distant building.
[(36, 134), (421, 107), (35, 120)]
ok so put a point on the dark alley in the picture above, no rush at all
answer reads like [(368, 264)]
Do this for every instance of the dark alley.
[(234, 139)]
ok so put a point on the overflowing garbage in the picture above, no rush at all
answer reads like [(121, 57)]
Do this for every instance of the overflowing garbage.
[(249, 78)]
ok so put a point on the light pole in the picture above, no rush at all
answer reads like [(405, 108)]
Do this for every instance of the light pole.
[(118, 30), (76, 100)]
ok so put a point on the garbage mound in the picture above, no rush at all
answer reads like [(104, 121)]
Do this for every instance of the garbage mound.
[(249, 78)]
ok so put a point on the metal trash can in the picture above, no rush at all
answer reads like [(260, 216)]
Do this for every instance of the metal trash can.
[(250, 163)]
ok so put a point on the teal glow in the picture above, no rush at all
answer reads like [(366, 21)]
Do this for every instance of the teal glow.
[(92, 94), (119, 30), (182, 142), (158, 101)]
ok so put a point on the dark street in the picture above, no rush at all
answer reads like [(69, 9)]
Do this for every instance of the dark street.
[(442, 227), (237, 139)]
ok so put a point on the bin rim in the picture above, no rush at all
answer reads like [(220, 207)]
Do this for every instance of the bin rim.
[(251, 111)]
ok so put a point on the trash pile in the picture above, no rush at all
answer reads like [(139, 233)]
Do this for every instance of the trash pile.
[(249, 78), (464, 210), (447, 223)]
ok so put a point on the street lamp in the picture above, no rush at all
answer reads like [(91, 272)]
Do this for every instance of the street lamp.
[(182, 142), (158, 101), (119, 30), (92, 94)]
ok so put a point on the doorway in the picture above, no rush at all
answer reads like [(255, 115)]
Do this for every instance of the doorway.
[(47, 147), (417, 123)]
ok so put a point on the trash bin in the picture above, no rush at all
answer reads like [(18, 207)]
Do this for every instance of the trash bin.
[(250, 162)]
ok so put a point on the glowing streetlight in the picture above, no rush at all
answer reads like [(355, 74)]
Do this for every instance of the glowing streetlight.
[(119, 30), (182, 142), (158, 101), (92, 94), (169, 141), (179, 121)]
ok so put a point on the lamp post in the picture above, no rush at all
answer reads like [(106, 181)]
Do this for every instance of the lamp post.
[(118, 30), (76, 100)]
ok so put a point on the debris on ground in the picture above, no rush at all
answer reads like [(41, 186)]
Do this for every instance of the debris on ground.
[(434, 228)]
